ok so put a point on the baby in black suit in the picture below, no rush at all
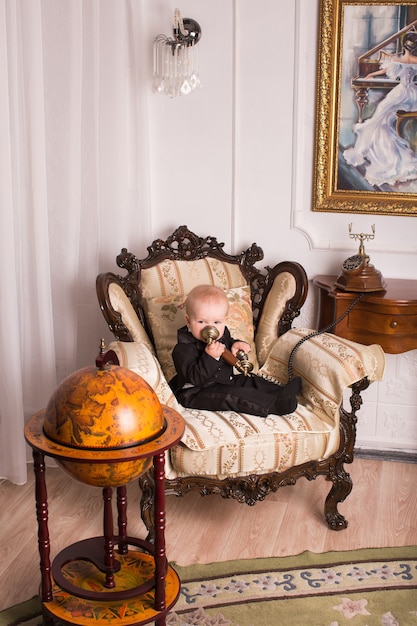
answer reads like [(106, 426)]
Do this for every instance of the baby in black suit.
[(206, 381)]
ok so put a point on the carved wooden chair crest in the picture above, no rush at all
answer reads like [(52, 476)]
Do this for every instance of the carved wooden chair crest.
[(235, 455)]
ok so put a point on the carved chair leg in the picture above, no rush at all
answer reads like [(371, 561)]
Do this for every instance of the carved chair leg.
[(147, 503), (342, 482), (342, 486)]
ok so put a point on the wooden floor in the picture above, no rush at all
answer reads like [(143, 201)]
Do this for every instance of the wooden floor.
[(381, 510)]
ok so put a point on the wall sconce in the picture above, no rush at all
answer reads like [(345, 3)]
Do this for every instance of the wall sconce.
[(175, 61)]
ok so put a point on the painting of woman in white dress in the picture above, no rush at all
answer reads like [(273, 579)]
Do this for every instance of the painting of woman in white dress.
[(365, 144), (383, 156)]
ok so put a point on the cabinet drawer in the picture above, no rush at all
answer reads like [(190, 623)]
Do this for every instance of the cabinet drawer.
[(387, 324)]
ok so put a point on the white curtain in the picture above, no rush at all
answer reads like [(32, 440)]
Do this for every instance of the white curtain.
[(73, 189)]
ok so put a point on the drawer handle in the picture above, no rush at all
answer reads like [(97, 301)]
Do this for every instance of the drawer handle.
[(393, 324)]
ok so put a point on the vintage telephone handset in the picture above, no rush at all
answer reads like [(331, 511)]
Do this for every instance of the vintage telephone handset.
[(357, 275), (240, 361)]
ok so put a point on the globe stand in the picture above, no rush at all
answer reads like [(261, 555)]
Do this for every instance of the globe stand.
[(87, 583)]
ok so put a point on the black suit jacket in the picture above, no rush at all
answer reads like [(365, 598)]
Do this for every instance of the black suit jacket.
[(194, 366)]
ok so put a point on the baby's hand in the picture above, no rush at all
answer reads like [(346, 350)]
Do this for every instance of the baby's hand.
[(215, 349), (240, 345)]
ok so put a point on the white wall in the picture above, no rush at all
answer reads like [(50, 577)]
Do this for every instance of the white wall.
[(235, 160)]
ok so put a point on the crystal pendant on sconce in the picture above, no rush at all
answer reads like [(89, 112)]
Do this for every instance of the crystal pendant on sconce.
[(175, 61)]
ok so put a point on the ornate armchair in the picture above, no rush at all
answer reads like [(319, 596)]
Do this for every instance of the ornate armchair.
[(235, 455)]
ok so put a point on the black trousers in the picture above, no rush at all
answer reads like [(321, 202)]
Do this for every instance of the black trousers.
[(244, 394)]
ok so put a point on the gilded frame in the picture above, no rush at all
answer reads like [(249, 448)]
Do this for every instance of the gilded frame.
[(328, 192)]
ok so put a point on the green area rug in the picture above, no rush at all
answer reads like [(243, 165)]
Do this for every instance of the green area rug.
[(359, 588)]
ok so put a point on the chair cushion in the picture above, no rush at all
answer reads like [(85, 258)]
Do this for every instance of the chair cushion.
[(239, 444), (166, 314)]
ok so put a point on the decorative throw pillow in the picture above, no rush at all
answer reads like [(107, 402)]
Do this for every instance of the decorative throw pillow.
[(166, 314)]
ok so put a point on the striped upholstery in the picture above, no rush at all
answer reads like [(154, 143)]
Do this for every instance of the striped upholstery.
[(178, 277)]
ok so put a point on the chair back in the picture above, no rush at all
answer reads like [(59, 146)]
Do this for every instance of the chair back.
[(148, 303)]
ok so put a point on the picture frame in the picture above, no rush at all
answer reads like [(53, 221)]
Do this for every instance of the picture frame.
[(358, 38)]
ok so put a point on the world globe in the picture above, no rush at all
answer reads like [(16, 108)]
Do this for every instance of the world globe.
[(103, 409)]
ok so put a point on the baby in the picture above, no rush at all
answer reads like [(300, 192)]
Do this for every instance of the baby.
[(205, 381)]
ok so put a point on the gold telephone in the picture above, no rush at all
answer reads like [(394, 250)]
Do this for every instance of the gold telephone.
[(357, 273)]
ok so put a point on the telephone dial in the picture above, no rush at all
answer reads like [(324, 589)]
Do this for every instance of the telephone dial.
[(357, 273)]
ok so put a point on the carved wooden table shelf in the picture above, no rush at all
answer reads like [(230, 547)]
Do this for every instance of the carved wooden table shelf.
[(388, 318)]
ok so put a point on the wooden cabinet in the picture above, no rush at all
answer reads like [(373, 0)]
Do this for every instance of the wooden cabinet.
[(388, 317)]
